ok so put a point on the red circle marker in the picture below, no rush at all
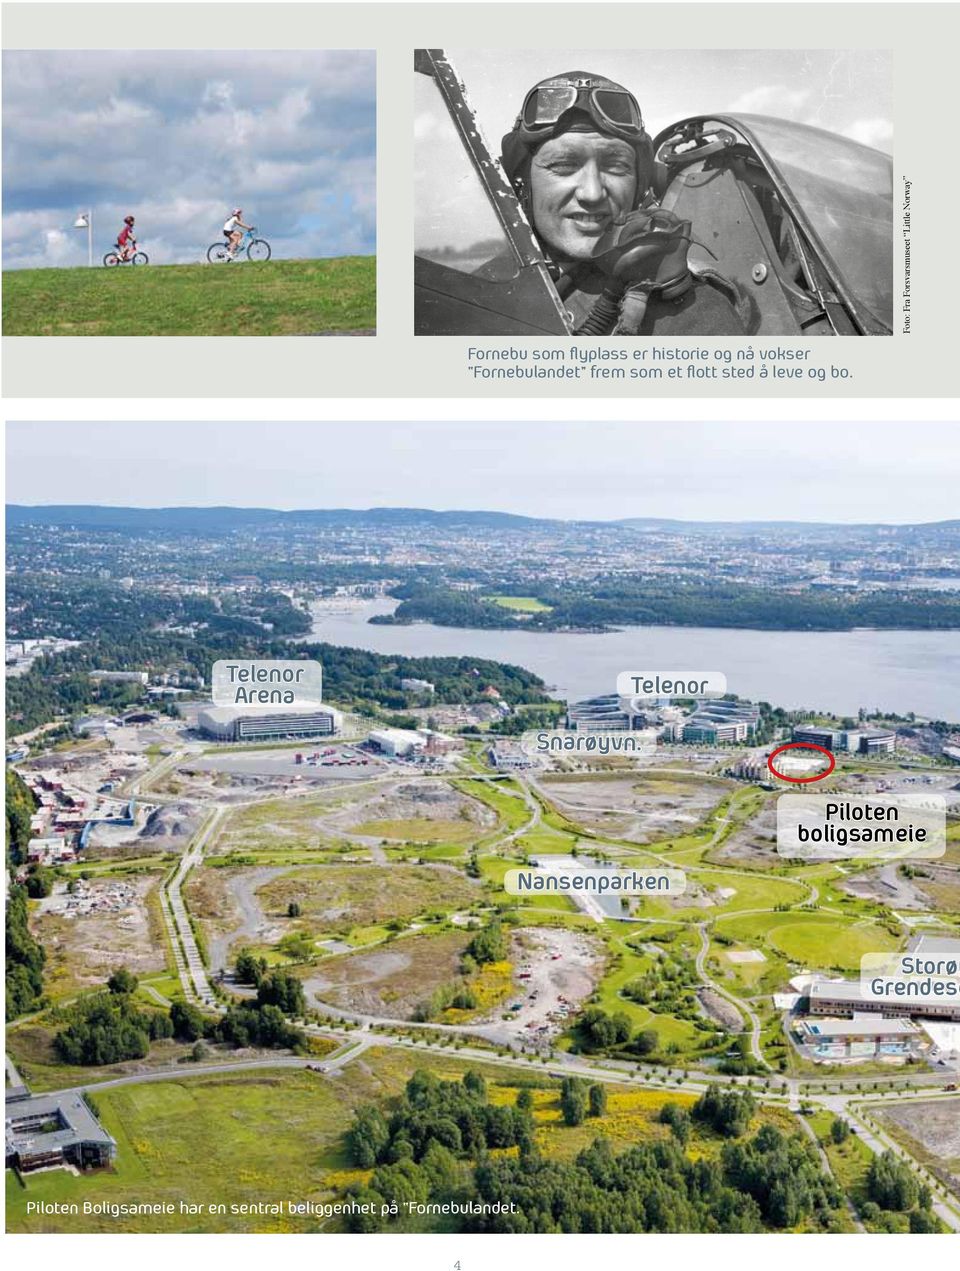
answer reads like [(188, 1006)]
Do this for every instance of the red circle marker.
[(802, 745)]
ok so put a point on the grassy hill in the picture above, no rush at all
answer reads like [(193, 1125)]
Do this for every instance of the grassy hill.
[(278, 297)]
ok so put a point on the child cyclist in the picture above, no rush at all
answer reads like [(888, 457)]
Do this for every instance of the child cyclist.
[(126, 243), (232, 227)]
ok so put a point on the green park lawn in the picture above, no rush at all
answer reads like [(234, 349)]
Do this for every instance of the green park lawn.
[(278, 297), (233, 1137), (521, 604), (817, 941)]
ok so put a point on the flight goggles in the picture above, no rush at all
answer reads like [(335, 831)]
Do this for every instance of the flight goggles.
[(612, 108)]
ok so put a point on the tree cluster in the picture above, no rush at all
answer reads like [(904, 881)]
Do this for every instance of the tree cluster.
[(643, 600), (274, 988), (248, 968), (436, 1144), (25, 958), (678, 1119), (20, 806), (891, 1183), (782, 1175), (726, 1110), (25, 955), (283, 990), (578, 1100), (488, 945), (255, 1024), (596, 1030), (189, 1022), (107, 1028), (768, 1182), (454, 1114), (667, 988)]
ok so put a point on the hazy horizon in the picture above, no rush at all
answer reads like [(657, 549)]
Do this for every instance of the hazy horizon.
[(458, 511), (821, 471)]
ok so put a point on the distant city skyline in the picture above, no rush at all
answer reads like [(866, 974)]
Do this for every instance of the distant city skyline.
[(822, 470)]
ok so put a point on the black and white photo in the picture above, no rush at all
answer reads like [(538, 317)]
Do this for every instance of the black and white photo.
[(659, 192)]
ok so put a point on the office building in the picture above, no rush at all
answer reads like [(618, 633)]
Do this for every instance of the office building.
[(49, 1130), (869, 741)]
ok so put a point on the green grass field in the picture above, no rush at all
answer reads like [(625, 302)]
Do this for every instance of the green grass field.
[(279, 297), (506, 800), (202, 1140), (816, 941), (31, 1048), (679, 1032), (495, 868), (338, 898), (747, 894), (233, 1138), (236, 1139), (419, 829), (521, 604)]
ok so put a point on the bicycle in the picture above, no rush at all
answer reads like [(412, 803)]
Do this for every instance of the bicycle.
[(255, 248), (115, 258)]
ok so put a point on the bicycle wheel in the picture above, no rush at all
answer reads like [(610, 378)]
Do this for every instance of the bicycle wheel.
[(111, 259), (259, 249), (217, 252), (140, 258)]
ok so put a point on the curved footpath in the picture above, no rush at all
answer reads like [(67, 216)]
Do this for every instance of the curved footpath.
[(193, 976)]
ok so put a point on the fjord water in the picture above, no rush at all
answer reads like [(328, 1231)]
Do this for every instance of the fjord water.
[(839, 671)]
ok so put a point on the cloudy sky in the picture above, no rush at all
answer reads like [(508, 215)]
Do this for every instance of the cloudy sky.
[(849, 91), (814, 471), (179, 139)]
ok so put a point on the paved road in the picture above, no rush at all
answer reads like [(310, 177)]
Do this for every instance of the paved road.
[(849, 1106), (357, 1043), (194, 978), (141, 783), (879, 1142), (193, 974), (332, 1063), (828, 1170), (738, 1003)]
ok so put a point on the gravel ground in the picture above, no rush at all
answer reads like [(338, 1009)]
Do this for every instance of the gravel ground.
[(562, 965)]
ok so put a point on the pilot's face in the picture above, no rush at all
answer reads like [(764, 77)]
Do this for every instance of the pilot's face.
[(580, 182)]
